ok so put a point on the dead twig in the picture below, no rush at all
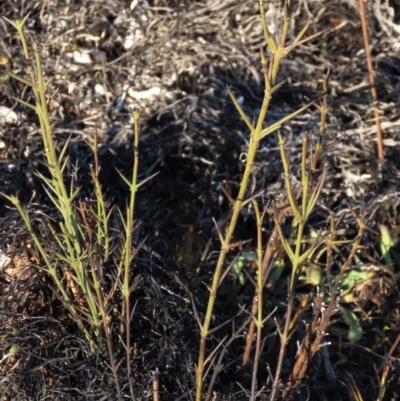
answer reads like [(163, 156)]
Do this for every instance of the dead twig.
[(371, 74)]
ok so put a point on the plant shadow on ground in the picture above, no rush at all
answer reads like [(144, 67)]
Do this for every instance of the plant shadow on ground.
[(193, 137)]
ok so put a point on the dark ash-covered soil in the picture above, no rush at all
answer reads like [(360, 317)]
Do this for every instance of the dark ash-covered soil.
[(174, 62)]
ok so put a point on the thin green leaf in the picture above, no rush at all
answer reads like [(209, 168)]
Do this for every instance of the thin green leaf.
[(124, 178), (64, 165), (355, 332), (284, 242), (302, 32), (146, 180), (288, 49), (271, 42), (241, 112), (22, 80), (278, 86), (274, 127), (64, 149), (31, 106), (315, 195), (386, 245), (74, 195)]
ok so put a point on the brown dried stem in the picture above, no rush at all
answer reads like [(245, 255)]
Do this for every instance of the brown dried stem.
[(371, 75), (322, 313)]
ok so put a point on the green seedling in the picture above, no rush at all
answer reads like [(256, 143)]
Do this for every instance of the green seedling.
[(351, 279), (388, 242), (351, 319)]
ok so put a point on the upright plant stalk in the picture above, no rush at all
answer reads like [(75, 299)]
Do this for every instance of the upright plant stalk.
[(70, 242), (259, 321), (98, 257), (295, 260), (323, 109), (374, 94), (62, 200), (284, 211), (322, 313), (256, 134), (101, 214), (82, 249), (309, 195), (127, 254), (301, 214)]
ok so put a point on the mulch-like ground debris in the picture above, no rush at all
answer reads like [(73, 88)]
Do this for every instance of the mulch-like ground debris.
[(175, 61)]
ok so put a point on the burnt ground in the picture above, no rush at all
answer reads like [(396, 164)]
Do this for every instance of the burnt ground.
[(174, 61)]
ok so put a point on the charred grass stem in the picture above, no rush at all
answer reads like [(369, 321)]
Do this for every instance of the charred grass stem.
[(278, 52)]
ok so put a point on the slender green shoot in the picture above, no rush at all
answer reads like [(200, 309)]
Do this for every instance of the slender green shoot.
[(278, 52)]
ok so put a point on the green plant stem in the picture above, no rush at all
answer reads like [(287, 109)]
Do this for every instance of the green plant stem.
[(224, 249), (322, 127), (127, 254), (289, 310), (71, 241), (256, 134), (131, 209), (259, 289), (284, 341), (255, 137), (297, 257)]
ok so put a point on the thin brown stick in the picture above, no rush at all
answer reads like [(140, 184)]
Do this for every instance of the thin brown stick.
[(313, 341), (371, 74), (284, 340), (156, 396), (218, 366), (386, 369)]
